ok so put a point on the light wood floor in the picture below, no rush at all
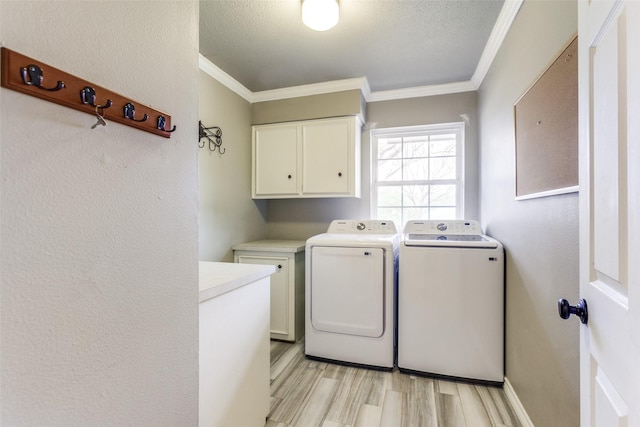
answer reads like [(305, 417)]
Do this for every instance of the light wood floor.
[(307, 393)]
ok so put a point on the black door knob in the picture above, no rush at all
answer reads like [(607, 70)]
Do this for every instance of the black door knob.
[(565, 310)]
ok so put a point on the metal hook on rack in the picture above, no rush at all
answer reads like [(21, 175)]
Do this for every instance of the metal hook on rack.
[(161, 123), (35, 78), (212, 134), (88, 96), (130, 112)]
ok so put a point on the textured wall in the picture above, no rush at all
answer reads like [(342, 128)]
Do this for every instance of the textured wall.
[(99, 229), (540, 235), (228, 215)]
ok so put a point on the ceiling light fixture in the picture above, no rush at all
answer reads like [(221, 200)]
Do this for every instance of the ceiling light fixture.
[(320, 15)]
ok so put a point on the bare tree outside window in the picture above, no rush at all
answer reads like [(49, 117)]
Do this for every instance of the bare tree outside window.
[(417, 173)]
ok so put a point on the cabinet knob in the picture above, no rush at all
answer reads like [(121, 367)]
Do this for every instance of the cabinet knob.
[(289, 176), (339, 173), (279, 266)]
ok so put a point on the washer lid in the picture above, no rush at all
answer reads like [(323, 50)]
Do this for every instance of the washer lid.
[(443, 227), (446, 233), (450, 240)]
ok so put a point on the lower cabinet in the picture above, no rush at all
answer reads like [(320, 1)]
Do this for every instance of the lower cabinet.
[(287, 283)]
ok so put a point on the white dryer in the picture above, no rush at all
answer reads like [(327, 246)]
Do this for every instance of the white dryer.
[(350, 281), (451, 301)]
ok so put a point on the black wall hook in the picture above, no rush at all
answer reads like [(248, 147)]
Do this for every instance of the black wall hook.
[(161, 123), (88, 96), (213, 135), (35, 78), (130, 112)]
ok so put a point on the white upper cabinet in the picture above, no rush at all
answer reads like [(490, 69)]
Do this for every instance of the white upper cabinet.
[(313, 158), (275, 160), (325, 157)]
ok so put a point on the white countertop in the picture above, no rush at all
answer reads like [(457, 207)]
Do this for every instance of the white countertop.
[(294, 246), (217, 278)]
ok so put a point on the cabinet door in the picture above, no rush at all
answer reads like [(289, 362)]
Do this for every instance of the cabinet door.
[(275, 160), (326, 156), (280, 294)]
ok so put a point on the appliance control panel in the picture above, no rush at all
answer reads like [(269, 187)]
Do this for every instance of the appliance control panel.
[(367, 226), (443, 227)]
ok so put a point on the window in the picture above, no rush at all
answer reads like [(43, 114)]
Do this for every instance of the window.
[(418, 173)]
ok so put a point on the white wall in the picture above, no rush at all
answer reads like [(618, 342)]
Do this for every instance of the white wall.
[(99, 228), (228, 215), (540, 235)]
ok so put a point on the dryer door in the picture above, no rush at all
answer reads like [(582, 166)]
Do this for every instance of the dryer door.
[(347, 290)]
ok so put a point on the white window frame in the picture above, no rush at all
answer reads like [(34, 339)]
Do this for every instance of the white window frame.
[(407, 131)]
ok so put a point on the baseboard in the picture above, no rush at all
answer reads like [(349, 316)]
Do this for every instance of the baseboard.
[(512, 397)]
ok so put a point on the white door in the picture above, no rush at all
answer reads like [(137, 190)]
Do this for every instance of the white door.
[(609, 58), (347, 290)]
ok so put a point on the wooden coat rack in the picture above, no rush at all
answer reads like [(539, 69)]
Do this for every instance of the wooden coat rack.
[(31, 77)]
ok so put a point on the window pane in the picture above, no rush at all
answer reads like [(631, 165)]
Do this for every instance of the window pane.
[(443, 145), (443, 195), (415, 195), (442, 168), (416, 169), (391, 214), (389, 148), (416, 146), (390, 170), (390, 195), (443, 213), (417, 173)]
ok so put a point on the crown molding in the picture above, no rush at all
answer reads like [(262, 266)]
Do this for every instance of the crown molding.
[(420, 91), (496, 38), (500, 29), (360, 83), (214, 71)]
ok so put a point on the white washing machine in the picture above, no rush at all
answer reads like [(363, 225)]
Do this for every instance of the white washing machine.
[(451, 302), (350, 281)]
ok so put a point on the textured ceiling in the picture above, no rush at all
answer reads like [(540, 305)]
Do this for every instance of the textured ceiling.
[(395, 44)]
